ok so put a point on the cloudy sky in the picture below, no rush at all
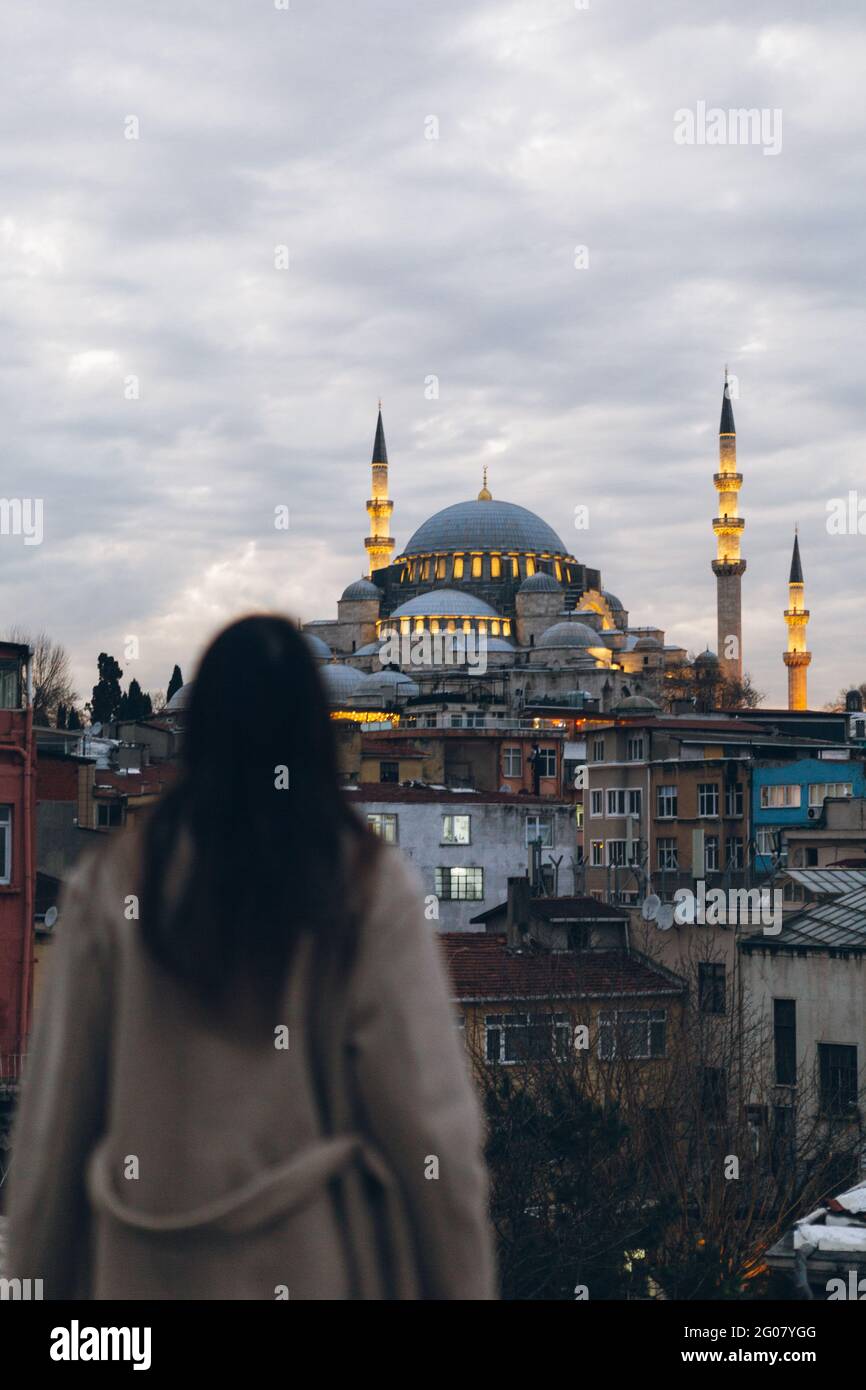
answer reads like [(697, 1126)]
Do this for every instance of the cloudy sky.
[(165, 384)]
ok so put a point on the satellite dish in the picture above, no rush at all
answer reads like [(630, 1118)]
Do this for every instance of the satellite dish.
[(649, 907), (50, 917), (665, 919)]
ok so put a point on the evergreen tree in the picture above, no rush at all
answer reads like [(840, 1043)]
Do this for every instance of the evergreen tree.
[(74, 719), (136, 703), (105, 704), (174, 684), (62, 714)]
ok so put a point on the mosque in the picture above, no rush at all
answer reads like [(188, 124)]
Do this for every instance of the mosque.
[(499, 578), (527, 621)]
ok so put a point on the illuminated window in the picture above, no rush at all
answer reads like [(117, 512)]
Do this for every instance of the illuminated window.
[(515, 567), (506, 628), (455, 830), (476, 566), (440, 566), (425, 573), (458, 566), (460, 884), (494, 627), (530, 565), (384, 825), (495, 566), (559, 571)]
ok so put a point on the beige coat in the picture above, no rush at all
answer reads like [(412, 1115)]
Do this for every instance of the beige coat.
[(158, 1156)]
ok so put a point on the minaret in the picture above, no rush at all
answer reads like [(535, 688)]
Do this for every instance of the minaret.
[(379, 545), (796, 658), (727, 566)]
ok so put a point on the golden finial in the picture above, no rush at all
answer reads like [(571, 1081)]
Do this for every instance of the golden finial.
[(484, 495)]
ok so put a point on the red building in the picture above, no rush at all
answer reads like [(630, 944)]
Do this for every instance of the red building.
[(17, 856)]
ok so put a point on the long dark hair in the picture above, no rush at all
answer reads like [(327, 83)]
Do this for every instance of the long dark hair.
[(255, 843)]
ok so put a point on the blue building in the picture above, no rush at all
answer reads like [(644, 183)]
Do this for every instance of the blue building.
[(792, 793)]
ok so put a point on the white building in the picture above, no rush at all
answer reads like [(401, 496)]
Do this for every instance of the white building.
[(466, 845)]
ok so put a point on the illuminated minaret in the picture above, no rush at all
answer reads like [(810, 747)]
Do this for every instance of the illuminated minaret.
[(728, 567), (380, 546), (796, 658)]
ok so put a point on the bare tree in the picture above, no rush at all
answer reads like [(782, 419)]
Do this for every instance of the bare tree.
[(52, 677)]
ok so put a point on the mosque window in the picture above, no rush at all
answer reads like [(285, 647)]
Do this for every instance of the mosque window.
[(530, 565), (559, 571), (494, 627), (425, 573), (458, 566), (452, 626), (495, 566), (506, 628), (476, 566), (440, 566), (515, 567), (434, 624)]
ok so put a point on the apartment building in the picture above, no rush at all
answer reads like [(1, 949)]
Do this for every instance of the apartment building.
[(466, 844)]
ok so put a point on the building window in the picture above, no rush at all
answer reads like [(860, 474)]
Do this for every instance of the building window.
[(430, 721), (598, 750), (837, 1074), (540, 828), (526, 1037), (458, 567), (389, 772), (711, 853), (714, 1094), (634, 748), (785, 794), (459, 884), (734, 799), (765, 840), (5, 844), (633, 801), (631, 1033), (495, 566), (109, 814), (818, 791), (476, 566), (596, 802), (711, 987), (476, 721), (545, 761), (384, 825), (455, 830), (666, 802), (734, 851), (513, 761), (617, 852), (615, 802), (667, 854), (708, 798), (785, 1041), (597, 853)]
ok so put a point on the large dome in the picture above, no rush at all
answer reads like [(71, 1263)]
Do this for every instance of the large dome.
[(481, 526)]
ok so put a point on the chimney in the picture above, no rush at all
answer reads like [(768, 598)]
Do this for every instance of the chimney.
[(518, 913)]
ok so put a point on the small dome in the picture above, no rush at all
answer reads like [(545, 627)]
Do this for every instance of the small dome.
[(540, 583), (499, 644), (707, 658), (179, 700), (389, 684), (445, 603), (341, 681), (612, 599), (569, 635), (638, 702), (319, 649), (370, 649), (361, 589), (646, 644)]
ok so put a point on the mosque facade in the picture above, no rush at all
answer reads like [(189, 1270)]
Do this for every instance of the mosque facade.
[(484, 598)]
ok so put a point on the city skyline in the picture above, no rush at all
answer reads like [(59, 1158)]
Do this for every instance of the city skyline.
[(431, 200)]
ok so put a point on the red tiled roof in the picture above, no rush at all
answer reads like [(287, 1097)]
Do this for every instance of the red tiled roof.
[(482, 967)]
